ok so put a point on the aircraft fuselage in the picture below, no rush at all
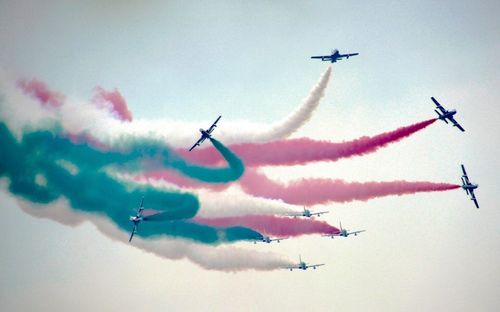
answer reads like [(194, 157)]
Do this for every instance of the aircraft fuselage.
[(470, 186), (136, 219), (448, 114), (204, 134)]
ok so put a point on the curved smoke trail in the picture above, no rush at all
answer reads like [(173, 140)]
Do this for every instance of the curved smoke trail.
[(41, 92), (43, 167), (114, 102), (320, 191), (220, 258), (80, 117), (304, 150), (273, 225)]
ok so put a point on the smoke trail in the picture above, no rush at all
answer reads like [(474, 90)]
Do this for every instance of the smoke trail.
[(43, 167), (301, 151), (273, 225), (287, 125), (231, 202), (177, 180), (215, 175), (40, 91), (114, 102), (220, 258), (320, 191), (96, 123)]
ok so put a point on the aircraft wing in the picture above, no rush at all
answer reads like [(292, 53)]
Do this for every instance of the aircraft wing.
[(278, 239), (347, 55), (463, 170), (356, 232), (292, 267), (473, 197), (319, 213), (331, 235), (321, 57), (134, 229), (141, 206), (441, 108), (197, 143), (214, 125), (455, 123), (314, 265)]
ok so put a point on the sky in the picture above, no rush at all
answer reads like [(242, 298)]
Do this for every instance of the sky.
[(249, 61)]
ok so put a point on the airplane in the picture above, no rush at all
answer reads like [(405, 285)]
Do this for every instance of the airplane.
[(302, 265), (205, 134), (137, 219), (343, 232), (334, 56), (447, 114), (267, 239), (469, 187), (307, 213)]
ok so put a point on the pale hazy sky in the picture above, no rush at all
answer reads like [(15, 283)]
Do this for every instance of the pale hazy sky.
[(191, 61)]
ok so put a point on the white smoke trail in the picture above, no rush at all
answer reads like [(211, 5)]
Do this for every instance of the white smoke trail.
[(288, 125), (221, 258), (230, 202), (77, 117), (234, 202)]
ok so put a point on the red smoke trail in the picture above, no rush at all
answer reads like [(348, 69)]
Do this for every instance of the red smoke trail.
[(319, 191), (272, 225), (300, 151), (40, 91), (114, 101)]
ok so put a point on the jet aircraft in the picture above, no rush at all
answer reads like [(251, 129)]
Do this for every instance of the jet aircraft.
[(308, 214), (267, 239), (205, 134), (332, 58), (343, 232), (446, 114), (469, 187), (137, 219), (302, 265)]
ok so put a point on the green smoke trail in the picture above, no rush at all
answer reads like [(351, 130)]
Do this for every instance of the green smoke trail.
[(44, 166), (213, 175)]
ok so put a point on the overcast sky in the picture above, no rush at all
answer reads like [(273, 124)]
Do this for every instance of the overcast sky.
[(190, 61)]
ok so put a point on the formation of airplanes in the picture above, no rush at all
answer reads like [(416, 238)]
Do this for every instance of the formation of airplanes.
[(334, 56), (344, 232), (443, 114)]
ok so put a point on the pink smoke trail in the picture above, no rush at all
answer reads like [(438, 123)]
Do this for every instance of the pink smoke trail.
[(300, 151), (273, 225), (114, 101), (41, 92), (320, 191)]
